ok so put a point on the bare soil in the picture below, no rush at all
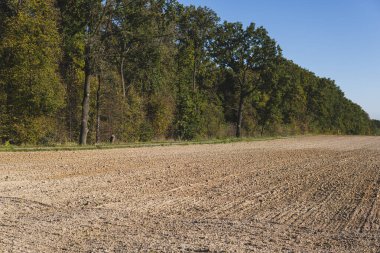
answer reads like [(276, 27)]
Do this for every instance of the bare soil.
[(305, 194)]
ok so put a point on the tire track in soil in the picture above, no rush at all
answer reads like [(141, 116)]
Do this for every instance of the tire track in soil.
[(373, 195), (343, 206), (264, 199), (299, 213), (352, 197), (318, 197)]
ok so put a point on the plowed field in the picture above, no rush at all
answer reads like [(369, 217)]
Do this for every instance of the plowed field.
[(306, 194)]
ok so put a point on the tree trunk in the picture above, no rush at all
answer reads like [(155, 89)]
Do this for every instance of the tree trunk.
[(122, 76), (241, 103), (19, 4), (98, 110), (194, 72), (86, 98), (240, 116), (70, 113)]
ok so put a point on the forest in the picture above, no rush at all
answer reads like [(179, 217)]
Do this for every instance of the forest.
[(142, 70)]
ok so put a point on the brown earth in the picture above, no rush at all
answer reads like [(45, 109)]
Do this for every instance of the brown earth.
[(306, 194)]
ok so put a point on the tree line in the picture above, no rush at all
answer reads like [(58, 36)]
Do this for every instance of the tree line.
[(83, 70)]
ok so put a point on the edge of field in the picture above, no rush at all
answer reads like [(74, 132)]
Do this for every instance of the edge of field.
[(73, 147)]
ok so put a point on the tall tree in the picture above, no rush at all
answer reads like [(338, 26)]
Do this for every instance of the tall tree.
[(87, 19), (30, 53), (247, 52), (196, 29)]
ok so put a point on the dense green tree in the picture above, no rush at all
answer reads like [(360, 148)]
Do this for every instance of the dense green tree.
[(247, 52), (86, 20), (375, 127), (31, 88), (196, 29), (196, 72)]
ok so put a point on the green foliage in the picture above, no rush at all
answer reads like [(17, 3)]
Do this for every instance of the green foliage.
[(188, 118), (8, 146), (246, 53), (212, 123), (30, 53), (160, 113), (375, 127), (133, 119)]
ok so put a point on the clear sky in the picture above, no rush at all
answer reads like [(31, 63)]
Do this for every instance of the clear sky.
[(338, 39)]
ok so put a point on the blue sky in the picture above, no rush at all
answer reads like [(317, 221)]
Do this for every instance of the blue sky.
[(339, 39)]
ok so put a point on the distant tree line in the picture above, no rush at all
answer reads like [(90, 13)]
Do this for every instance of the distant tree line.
[(84, 70)]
